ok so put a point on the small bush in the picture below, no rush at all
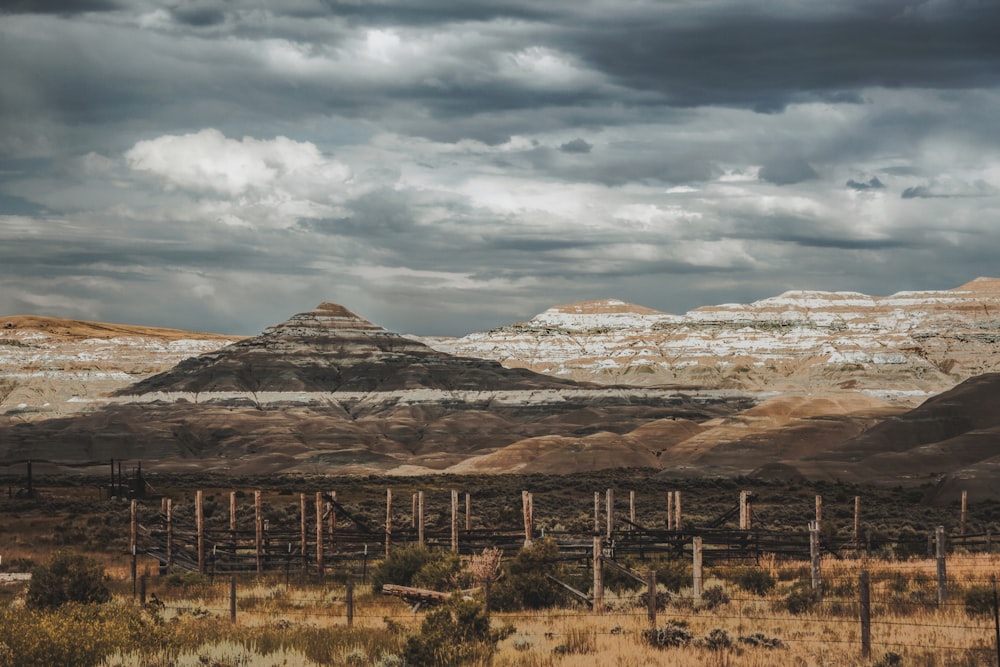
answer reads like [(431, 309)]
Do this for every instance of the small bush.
[(755, 580), (456, 633), (801, 598), (714, 597), (400, 567), (717, 640), (760, 640), (670, 635), (67, 578), (525, 584), (979, 601)]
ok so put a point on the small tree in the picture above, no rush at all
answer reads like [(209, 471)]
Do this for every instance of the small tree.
[(68, 577)]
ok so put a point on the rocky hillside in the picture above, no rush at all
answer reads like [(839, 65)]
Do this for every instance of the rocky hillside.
[(903, 347), (47, 365)]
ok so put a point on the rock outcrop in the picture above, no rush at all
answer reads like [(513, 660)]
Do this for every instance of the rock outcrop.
[(903, 347)]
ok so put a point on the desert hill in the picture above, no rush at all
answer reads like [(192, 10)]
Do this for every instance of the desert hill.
[(904, 347)]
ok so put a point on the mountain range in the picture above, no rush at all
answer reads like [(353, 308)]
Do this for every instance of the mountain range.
[(823, 385)]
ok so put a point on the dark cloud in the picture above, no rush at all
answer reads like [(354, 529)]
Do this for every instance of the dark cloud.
[(60, 7), (576, 146), (787, 170), (950, 189), (871, 184)]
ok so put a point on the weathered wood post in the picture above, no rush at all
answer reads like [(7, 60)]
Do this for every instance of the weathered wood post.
[(965, 512), (942, 574), (528, 514), (814, 556), (420, 518), (170, 533), (468, 511), (232, 522), (304, 545), (819, 512), (744, 510), (631, 508), (332, 521), (258, 509), (864, 595), (388, 521), (598, 593), (696, 583), (857, 522), (133, 541), (199, 517), (678, 524), (454, 521), (670, 510), (320, 570), (610, 507)]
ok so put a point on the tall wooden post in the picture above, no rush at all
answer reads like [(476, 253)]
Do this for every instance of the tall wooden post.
[(133, 531), (631, 508), (304, 545), (965, 512), (598, 593), (388, 521), (857, 522), (199, 502), (528, 513), (170, 533), (454, 521), (609, 502), (942, 573), (258, 509), (413, 516), (232, 522), (814, 556), (468, 511), (319, 534), (678, 524), (864, 594), (420, 518), (819, 512), (697, 579), (651, 596), (744, 510), (670, 510)]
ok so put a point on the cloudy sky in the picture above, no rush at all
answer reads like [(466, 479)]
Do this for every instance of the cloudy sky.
[(445, 166)]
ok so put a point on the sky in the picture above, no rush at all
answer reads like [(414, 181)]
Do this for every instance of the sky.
[(448, 166)]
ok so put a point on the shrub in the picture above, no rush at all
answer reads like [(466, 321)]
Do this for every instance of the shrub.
[(801, 598), (400, 567), (714, 597), (456, 633), (525, 584), (755, 580), (440, 572), (979, 601), (673, 574), (717, 640), (670, 635), (68, 577)]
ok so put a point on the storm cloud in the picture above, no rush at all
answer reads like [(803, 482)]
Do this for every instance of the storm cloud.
[(444, 167)]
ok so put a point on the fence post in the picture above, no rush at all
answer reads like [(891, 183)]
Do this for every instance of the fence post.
[(942, 574), (142, 589), (597, 512), (304, 545), (200, 521), (468, 511), (814, 556), (420, 518), (319, 533), (864, 594), (350, 603), (651, 596), (677, 510), (965, 512), (819, 512), (670, 510), (388, 521), (857, 522), (454, 521), (631, 507), (232, 521), (609, 503), (413, 514), (598, 576), (232, 599), (744, 510), (696, 580), (527, 512), (258, 530)]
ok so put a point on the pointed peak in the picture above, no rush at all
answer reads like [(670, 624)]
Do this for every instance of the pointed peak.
[(327, 317)]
